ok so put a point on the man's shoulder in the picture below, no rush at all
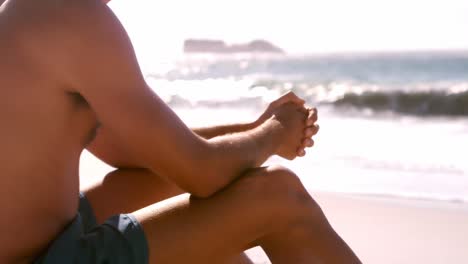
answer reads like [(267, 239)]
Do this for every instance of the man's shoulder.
[(69, 9), (71, 17), (87, 25), (49, 26), (39, 15), (64, 42), (65, 32)]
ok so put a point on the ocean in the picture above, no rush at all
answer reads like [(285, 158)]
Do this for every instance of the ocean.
[(392, 124)]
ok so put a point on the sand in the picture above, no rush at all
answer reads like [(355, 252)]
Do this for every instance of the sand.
[(381, 230), (394, 230)]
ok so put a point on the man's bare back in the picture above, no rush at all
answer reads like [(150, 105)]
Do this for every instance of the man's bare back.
[(66, 68), (44, 130)]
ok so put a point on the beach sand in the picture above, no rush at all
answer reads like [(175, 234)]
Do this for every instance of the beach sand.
[(394, 230), (380, 230)]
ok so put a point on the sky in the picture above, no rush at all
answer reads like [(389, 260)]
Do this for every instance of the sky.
[(298, 26)]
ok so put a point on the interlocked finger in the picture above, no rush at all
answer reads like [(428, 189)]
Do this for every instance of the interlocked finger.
[(307, 143), (301, 152), (312, 117), (311, 131)]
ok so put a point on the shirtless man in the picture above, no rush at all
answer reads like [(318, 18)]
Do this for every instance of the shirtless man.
[(69, 80)]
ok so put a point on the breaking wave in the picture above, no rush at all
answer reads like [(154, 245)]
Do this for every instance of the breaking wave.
[(414, 103)]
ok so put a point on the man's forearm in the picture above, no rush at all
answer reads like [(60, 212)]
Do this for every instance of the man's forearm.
[(105, 147), (236, 153), (216, 131)]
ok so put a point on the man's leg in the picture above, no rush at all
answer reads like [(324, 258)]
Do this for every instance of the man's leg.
[(267, 207), (128, 190)]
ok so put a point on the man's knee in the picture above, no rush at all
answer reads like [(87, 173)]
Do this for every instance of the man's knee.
[(278, 188)]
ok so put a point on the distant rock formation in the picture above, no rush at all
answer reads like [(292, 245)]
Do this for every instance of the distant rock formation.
[(219, 46)]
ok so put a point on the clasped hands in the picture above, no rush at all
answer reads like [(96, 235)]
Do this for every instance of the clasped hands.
[(295, 124)]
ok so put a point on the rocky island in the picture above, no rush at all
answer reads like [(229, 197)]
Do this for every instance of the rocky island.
[(219, 46)]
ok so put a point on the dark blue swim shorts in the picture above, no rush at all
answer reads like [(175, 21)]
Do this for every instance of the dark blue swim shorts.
[(120, 240)]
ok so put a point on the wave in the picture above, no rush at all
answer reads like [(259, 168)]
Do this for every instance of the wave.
[(420, 99), (430, 103)]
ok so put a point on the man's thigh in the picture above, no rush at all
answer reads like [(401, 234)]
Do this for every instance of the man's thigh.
[(127, 190), (184, 229)]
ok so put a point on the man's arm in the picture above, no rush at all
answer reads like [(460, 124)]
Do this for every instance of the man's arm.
[(107, 147), (102, 67), (221, 130)]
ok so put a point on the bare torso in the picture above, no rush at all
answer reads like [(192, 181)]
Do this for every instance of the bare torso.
[(43, 131)]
